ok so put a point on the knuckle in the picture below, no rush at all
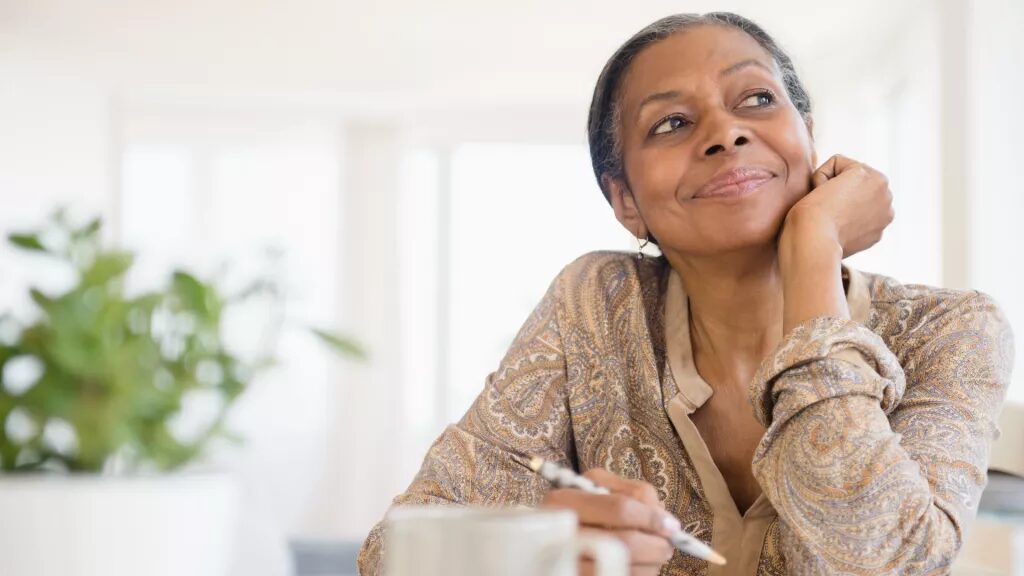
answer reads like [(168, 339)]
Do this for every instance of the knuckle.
[(636, 490), (630, 538), (667, 551), (651, 493), (620, 506), (555, 498), (655, 521), (640, 487)]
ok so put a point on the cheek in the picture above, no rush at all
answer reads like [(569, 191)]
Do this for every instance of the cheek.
[(657, 173), (794, 144)]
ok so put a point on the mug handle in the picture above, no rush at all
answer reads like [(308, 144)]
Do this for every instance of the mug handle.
[(611, 558)]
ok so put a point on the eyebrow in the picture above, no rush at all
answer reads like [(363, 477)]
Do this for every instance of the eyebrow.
[(741, 65), (674, 94)]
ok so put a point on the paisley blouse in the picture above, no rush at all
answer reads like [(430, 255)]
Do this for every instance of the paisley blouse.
[(878, 427)]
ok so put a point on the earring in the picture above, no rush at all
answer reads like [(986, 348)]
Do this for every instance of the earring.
[(641, 245)]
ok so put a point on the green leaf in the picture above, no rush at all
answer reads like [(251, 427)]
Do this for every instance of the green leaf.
[(108, 266), (92, 228), (27, 242), (343, 346), (196, 295), (42, 300)]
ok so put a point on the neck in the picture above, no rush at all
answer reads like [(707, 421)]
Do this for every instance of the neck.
[(736, 309)]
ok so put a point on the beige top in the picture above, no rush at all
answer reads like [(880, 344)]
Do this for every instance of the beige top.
[(878, 426), (737, 537)]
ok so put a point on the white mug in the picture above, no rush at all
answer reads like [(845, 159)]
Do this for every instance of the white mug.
[(466, 541)]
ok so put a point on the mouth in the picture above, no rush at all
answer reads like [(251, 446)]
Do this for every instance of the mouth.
[(734, 183)]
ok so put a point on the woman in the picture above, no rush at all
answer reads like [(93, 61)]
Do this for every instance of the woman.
[(874, 403)]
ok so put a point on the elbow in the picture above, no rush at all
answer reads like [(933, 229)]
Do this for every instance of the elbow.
[(370, 559), (925, 543)]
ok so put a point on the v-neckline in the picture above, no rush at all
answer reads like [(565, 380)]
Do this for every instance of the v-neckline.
[(733, 533)]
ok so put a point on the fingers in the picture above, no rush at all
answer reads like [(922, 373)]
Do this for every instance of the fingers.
[(827, 170), (637, 489), (644, 548), (824, 173), (817, 179), (839, 165), (832, 167), (633, 513), (613, 511), (836, 165)]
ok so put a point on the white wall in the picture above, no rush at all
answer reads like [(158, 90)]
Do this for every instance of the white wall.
[(994, 142), (387, 50), (55, 147)]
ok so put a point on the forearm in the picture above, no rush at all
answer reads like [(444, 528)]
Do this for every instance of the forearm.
[(810, 263), (868, 475), (849, 496)]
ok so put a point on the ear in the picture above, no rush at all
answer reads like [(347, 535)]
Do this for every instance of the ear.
[(624, 204), (809, 122)]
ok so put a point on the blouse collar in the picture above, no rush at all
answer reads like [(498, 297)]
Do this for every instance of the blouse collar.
[(693, 390)]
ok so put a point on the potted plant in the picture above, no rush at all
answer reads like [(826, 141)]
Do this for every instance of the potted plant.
[(94, 430)]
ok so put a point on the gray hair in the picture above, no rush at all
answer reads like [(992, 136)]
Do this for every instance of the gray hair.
[(603, 120)]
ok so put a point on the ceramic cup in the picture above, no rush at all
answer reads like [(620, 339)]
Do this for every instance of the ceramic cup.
[(466, 541)]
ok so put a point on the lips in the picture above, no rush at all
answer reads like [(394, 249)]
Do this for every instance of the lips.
[(735, 182)]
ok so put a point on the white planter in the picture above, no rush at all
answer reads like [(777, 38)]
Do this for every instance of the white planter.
[(111, 526)]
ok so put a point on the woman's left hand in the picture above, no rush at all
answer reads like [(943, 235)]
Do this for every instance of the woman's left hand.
[(849, 203), (845, 212)]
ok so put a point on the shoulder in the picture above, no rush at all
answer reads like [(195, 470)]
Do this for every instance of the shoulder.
[(607, 274), (916, 305), (598, 265), (917, 321), (602, 290)]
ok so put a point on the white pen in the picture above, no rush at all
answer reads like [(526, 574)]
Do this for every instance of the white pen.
[(563, 477)]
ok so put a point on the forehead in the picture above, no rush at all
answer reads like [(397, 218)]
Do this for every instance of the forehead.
[(690, 56)]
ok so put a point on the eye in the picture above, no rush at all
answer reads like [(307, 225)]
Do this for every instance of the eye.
[(670, 124), (758, 100)]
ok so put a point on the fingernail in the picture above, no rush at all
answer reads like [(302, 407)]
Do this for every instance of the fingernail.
[(671, 524)]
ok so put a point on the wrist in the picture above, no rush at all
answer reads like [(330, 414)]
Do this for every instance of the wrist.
[(810, 260), (807, 238)]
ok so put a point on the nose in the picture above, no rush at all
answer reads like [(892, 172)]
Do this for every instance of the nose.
[(725, 135), (720, 148)]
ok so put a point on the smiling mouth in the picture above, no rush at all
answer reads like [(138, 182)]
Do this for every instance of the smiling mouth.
[(734, 183)]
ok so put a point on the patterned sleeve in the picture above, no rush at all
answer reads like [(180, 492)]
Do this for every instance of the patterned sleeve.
[(522, 407), (870, 474)]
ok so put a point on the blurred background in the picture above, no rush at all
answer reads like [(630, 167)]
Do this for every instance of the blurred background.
[(423, 167)]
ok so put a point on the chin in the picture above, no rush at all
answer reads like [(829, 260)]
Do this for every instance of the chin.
[(752, 239), (744, 233)]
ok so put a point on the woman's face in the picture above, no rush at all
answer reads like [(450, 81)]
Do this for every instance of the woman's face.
[(714, 152)]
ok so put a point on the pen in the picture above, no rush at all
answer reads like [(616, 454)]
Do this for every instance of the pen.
[(565, 478)]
